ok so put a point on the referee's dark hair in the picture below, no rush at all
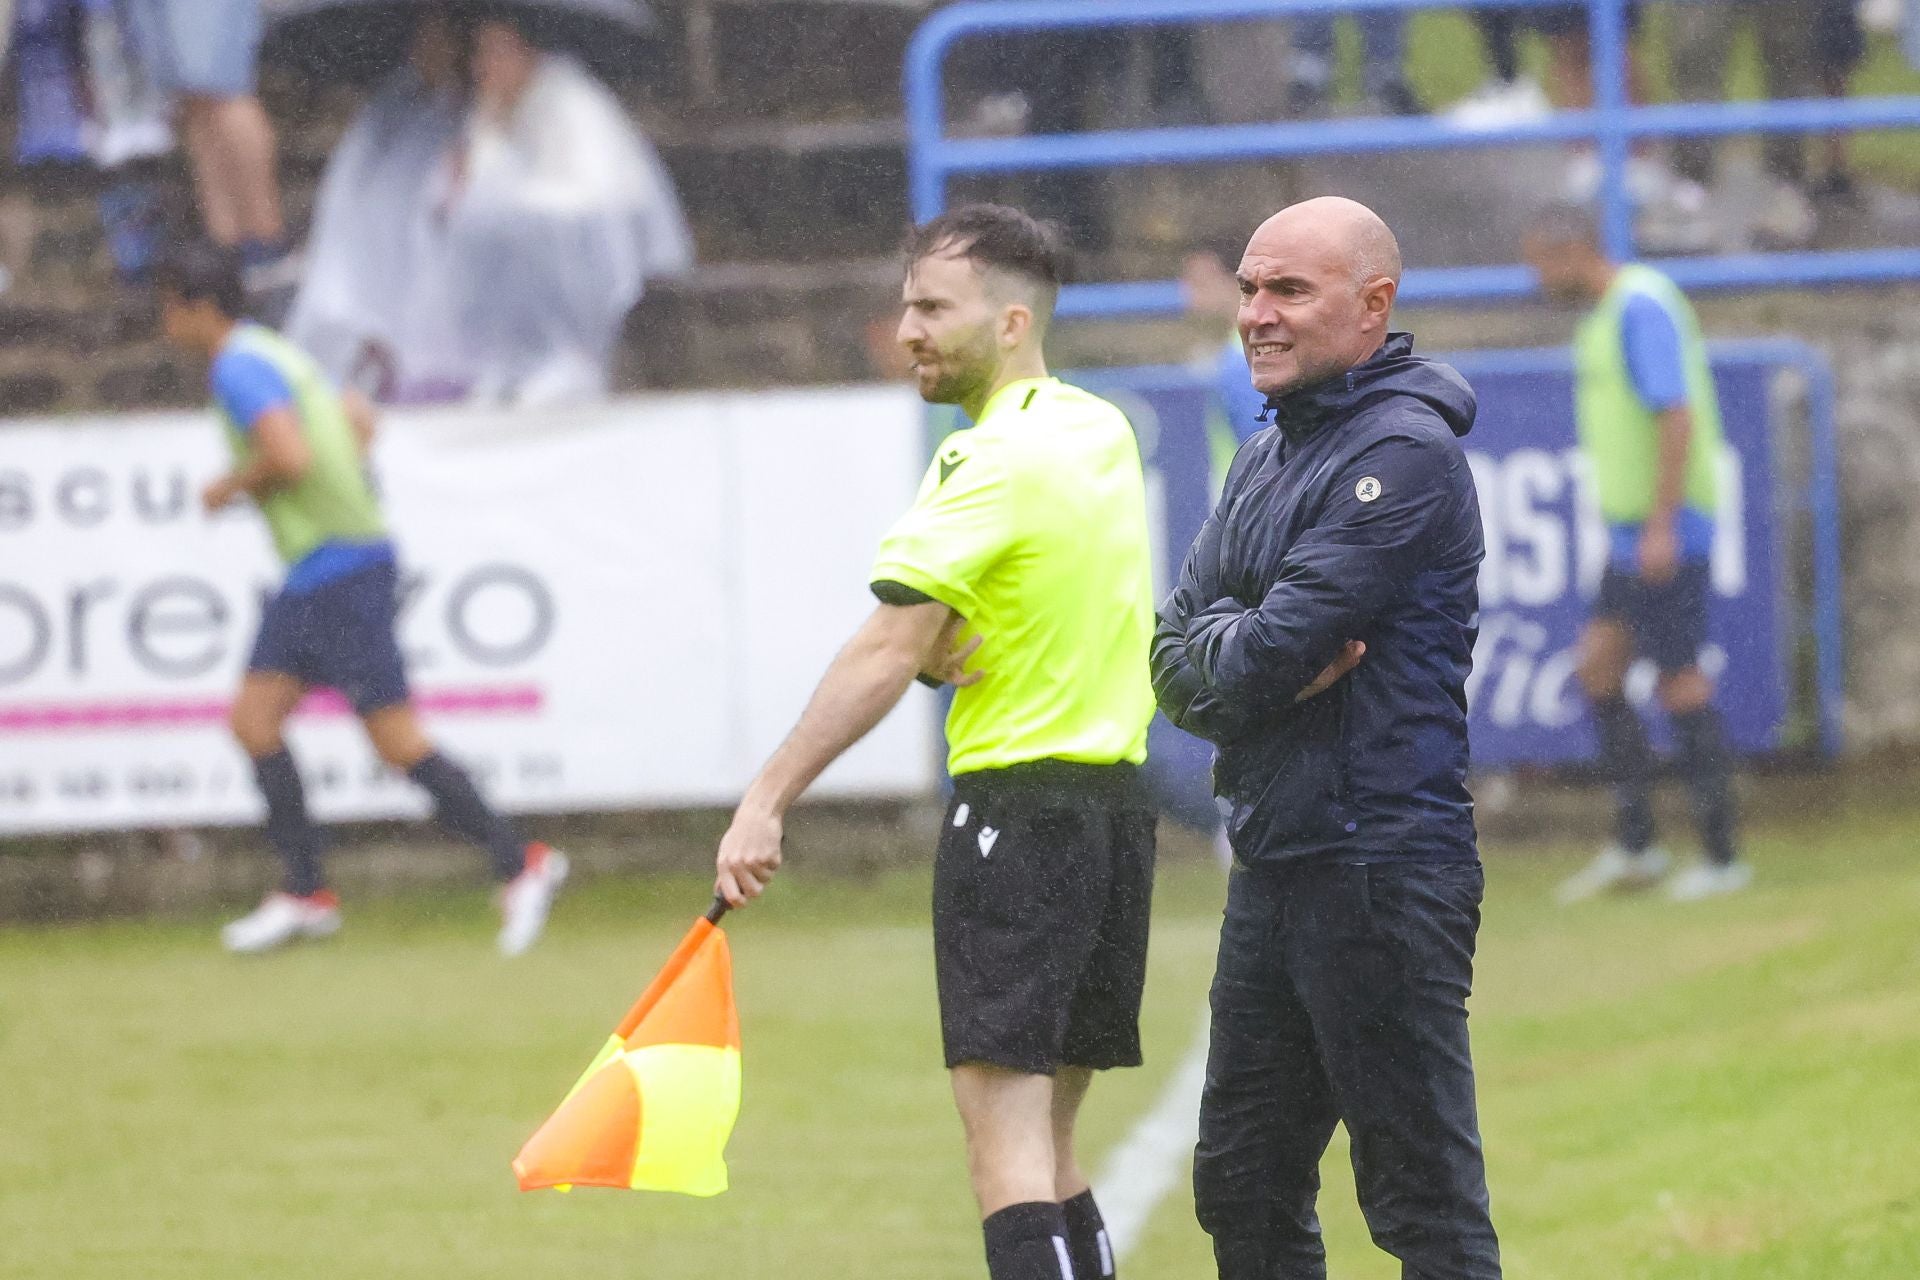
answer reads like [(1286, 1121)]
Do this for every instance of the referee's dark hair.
[(998, 237), (199, 271)]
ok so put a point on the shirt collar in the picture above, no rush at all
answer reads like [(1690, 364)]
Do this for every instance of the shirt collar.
[(1009, 394), (1302, 412)]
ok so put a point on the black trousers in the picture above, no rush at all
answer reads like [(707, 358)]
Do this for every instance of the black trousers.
[(1341, 996)]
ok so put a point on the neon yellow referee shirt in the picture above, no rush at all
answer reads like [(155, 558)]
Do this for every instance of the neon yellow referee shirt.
[(1032, 525)]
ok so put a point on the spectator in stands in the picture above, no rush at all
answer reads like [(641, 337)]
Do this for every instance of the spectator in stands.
[(201, 54), (1506, 96), (81, 104), (362, 261), (1839, 43), (544, 226), (1048, 82), (1567, 31), (1671, 208), (485, 226), (1785, 33), (1383, 82)]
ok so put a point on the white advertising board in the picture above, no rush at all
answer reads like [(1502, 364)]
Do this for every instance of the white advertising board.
[(614, 607)]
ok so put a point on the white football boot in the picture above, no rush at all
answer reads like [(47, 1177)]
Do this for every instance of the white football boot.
[(527, 898), (282, 918)]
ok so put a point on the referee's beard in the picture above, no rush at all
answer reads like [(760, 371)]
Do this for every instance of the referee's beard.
[(958, 374)]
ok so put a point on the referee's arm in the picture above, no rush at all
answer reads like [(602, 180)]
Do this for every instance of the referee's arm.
[(957, 529), (862, 684)]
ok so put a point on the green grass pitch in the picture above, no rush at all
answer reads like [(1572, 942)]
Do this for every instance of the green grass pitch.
[(1729, 1090)]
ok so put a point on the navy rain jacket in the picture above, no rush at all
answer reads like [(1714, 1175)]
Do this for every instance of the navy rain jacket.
[(1353, 516)]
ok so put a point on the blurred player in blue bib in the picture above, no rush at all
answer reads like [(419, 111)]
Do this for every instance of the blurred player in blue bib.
[(299, 453)]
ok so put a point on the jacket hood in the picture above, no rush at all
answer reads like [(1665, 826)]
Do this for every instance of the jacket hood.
[(1393, 370)]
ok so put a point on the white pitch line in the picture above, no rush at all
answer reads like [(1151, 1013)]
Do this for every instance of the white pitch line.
[(1140, 1172)]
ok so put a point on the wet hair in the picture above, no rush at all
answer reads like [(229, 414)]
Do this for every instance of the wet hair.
[(998, 237), (198, 271), (1564, 222)]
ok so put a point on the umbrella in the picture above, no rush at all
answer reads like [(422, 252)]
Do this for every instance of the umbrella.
[(361, 40)]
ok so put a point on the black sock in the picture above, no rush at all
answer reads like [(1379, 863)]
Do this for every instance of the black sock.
[(458, 807), (1627, 761), (1704, 762), (293, 835), (1028, 1242), (1087, 1239)]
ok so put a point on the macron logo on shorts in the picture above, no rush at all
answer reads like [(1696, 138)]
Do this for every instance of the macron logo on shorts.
[(989, 836)]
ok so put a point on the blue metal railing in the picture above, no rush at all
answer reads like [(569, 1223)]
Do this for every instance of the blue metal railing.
[(1612, 125)]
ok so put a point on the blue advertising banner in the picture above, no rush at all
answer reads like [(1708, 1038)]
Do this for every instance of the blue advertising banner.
[(1546, 548)]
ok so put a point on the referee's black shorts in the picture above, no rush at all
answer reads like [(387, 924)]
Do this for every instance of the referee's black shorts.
[(1041, 890)]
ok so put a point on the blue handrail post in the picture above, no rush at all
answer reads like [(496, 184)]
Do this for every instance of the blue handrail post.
[(924, 94), (1610, 103)]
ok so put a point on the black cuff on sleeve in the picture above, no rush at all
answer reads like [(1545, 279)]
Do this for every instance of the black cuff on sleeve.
[(887, 591)]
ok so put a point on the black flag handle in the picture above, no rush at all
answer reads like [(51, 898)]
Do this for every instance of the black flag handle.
[(718, 909)]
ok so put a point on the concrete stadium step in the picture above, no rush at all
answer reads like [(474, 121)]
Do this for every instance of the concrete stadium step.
[(817, 193), (763, 323), (786, 58)]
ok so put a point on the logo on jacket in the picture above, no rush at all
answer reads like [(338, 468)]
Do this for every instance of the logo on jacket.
[(989, 836), (948, 461), (1367, 490)]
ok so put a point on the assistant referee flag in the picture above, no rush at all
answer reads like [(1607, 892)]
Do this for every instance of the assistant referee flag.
[(654, 1109)]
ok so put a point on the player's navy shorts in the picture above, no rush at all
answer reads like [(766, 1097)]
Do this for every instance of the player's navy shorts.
[(339, 635), (1668, 620), (1042, 886)]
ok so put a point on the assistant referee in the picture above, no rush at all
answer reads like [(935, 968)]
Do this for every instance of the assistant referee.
[(1027, 547)]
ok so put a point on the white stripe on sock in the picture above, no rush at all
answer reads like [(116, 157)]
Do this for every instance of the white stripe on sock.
[(1066, 1259)]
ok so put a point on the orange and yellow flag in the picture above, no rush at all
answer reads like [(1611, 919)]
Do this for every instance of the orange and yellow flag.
[(654, 1109)]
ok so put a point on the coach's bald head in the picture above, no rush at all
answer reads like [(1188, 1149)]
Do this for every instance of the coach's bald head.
[(1317, 285)]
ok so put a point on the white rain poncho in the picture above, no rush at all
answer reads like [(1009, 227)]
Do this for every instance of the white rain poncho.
[(563, 213), (521, 251), (362, 256)]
